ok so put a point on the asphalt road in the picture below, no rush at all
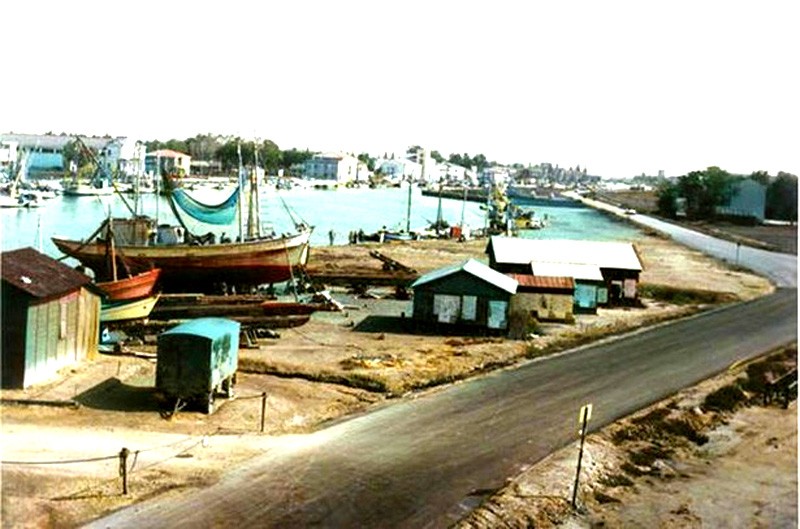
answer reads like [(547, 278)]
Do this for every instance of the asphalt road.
[(422, 462)]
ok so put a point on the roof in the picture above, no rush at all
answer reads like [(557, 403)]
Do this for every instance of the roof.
[(210, 327), (575, 270), (604, 254), (475, 268), (39, 275), (543, 282), (167, 153)]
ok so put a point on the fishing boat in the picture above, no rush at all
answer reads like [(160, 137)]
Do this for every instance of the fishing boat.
[(191, 262), (136, 286), (137, 309)]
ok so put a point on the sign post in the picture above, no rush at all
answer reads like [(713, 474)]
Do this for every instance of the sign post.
[(583, 419)]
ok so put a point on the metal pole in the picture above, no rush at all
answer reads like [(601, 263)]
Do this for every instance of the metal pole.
[(263, 409), (123, 469), (580, 457)]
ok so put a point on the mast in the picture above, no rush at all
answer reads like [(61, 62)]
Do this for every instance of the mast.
[(240, 181), (408, 207)]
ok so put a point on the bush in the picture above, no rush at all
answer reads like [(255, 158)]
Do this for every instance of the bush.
[(726, 398)]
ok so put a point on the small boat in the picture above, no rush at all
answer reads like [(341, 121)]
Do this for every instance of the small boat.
[(137, 309), (134, 287)]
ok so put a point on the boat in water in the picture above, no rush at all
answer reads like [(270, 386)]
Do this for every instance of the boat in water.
[(190, 262)]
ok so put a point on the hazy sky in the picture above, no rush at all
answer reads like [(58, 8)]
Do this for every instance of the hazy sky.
[(619, 87)]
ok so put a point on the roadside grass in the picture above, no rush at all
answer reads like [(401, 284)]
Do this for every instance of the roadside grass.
[(684, 296)]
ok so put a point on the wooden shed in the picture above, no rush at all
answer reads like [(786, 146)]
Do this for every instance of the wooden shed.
[(543, 298), (51, 317), (469, 295)]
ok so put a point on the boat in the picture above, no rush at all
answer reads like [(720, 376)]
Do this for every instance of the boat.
[(136, 286), (126, 310), (191, 262)]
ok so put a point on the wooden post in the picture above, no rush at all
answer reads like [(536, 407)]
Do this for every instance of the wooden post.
[(583, 419), (263, 409), (123, 469)]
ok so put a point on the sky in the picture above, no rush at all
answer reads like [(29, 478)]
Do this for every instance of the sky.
[(620, 88)]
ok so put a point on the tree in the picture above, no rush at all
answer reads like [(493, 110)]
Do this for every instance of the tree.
[(782, 198), (667, 203), (704, 191), (366, 159), (75, 152), (437, 156)]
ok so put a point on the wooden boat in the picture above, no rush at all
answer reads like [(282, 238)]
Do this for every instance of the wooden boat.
[(134, 287), (137, 309), (191, 262), (192, 267)]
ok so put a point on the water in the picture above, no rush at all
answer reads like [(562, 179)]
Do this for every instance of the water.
[(342, 211)]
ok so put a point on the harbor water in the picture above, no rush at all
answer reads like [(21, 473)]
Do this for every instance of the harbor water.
[(341, 211)]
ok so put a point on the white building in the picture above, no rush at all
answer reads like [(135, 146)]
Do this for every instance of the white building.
[(335, 169)]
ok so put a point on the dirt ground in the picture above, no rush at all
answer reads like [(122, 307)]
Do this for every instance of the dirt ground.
[(336, 364)]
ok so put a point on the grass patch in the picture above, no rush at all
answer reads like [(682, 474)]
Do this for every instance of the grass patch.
[(684, 296)]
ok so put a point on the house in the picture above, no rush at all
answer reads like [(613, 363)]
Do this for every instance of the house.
[(399, 170), (469, 296), (334, 169), (169, 162), (748, 200), (44, 152), (618, 265), (545, 298), (51, 317)]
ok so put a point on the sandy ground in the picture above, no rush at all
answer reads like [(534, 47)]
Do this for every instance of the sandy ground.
[(338, 363)]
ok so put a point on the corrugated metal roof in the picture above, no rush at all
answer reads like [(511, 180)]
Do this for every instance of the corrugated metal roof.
[(476, 268), (574, 270), (545, 282), (514, 250), (39, 275)]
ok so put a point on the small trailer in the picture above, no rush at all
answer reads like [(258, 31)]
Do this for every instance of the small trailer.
[(197, 360)]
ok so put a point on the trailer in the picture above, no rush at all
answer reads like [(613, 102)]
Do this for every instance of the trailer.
[(197, 360)]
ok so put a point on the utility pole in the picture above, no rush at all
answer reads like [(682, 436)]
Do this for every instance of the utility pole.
[(583, 418)]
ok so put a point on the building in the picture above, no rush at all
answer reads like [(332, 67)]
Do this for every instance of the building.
[(399, 170), (169, 162), (748, 200), (469, 296), (613, 267), (51, 317), (543, 298), (44, 152), (333, 169)]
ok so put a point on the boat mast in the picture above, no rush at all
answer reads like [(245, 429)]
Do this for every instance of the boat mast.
[(408, 207), (240, 181)]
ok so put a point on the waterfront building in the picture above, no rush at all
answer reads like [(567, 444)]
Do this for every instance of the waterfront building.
[(332, 169), (44, 152), (747, 200), (169, 162)]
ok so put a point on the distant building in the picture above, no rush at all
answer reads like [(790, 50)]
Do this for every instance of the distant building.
[(748, 200), (494, 176), (399, 170), (469, 296), (44, 152), (51, 317), (171, 162), (334, 169), (604, 272)]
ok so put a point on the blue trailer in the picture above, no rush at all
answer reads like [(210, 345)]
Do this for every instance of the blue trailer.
[(197, 360)]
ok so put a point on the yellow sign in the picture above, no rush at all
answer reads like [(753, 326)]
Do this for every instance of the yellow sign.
[(585, 414)]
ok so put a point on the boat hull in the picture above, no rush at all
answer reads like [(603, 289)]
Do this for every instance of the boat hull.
[(128, 310), (202, 268), (137, 286)]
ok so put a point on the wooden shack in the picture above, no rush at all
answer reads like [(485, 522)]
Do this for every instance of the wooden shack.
[(51, 317), (469, 295), (543, 298)]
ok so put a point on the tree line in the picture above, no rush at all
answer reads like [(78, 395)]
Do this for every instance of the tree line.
[(704, 191)]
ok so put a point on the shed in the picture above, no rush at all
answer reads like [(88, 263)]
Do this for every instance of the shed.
[(590, 287), (51, 317), (618, 262), (469, 295), (544, 298)]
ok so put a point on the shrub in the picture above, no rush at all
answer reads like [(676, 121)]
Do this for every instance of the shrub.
[(726, 398)]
